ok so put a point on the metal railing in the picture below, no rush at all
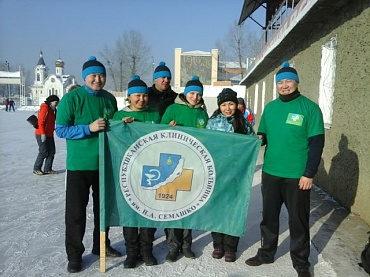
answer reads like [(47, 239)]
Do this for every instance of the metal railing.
[(281, 14)]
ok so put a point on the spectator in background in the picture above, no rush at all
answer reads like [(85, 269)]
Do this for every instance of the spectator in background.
[(73, 87), (11, 105), (6, 104), (247, 112), (45, 136)]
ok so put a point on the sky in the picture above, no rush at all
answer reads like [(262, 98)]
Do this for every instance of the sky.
[(74, 30), (32, 225)]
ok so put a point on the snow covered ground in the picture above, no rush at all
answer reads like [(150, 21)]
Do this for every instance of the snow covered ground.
[(32, 225)]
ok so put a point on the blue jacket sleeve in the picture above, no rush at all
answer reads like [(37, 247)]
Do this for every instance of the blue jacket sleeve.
[(72, 132)]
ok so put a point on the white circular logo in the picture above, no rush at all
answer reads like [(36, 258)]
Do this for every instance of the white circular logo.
[(167, 175)]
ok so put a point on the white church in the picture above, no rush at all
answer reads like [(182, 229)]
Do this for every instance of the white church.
[(46, 84)]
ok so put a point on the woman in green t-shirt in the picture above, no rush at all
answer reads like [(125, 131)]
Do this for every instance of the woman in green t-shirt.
[(189, 111), (138, 241)]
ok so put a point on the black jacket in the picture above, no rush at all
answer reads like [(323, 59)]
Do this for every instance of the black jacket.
[(159, 101)]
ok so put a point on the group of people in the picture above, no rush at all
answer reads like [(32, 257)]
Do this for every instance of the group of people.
[(9, 105), (291, 126)]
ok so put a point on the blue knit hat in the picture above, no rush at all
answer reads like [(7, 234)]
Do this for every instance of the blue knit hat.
[(162, 71), (137, 86), (92, 66), (287, 72), (194, 85)]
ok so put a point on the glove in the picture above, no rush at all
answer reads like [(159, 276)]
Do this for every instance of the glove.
[(43, 138)]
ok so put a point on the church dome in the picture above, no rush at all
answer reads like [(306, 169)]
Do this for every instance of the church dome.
[(59, 63)]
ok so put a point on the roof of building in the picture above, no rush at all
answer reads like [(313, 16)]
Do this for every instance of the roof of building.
[(249, 7), (41, 60), (196, 52), (306, 16), (229, 64)]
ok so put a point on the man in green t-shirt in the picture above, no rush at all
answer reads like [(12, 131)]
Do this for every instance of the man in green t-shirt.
[(83, 114), (292, 128)]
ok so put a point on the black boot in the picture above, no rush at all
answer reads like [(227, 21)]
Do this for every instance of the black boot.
[(186, 244), (74, 266), (172, 256), (174, 241), (109, 250), (130, 261), (146, 238), (188, 253), (131, 236), (149, 259)]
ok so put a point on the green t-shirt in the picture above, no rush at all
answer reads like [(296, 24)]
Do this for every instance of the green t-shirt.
[(146, 116), (79, 107), (185, 116), (287, 126)]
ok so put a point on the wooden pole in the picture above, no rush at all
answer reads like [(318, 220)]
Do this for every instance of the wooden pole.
[(102, 201), (102, 252)]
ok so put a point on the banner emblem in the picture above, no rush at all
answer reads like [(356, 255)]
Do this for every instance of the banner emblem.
[(167, 175)]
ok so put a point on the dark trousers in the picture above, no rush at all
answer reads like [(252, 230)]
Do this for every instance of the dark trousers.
[(275, 192), (138, 240), (78, 184), (225, 242), (46, 152), (178, 239)]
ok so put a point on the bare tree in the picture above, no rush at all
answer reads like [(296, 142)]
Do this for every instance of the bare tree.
[(238, 45), (221, 50), (131, 56), (108, 58)]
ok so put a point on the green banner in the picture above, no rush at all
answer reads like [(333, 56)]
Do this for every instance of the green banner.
[(154, 175)]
